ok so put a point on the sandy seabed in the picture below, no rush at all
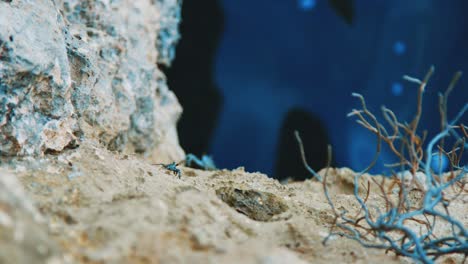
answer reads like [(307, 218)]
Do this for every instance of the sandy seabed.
[(97, 206)]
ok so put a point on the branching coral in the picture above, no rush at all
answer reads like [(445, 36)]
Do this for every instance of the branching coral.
[(422, 229), (206, 162)]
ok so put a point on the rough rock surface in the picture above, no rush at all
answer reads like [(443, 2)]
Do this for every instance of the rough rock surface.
[(74, 69), (23, 234)]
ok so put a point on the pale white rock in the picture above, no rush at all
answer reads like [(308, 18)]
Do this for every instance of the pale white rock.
[(24, 237), (75, 70)]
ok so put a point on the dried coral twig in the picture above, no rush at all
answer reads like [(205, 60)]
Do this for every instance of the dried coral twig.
[(404, 227)]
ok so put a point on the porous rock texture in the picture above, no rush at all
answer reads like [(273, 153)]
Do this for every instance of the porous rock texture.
[(23, 232), (76, 69)]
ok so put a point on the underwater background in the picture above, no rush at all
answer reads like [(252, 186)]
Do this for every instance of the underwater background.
[(250, 72)]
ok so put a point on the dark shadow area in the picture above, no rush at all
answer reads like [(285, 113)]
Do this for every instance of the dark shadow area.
[(191, 74), (315, 140)]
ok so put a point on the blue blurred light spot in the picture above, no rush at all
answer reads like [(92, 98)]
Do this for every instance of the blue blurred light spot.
[(361, 152), (399, 47), (439, 162), (307, 5), (397, 89)]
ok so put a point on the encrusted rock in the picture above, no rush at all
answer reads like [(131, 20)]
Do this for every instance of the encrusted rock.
[(88, 69), (23, 234)]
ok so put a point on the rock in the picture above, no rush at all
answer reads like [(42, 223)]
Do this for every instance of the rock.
[(71, 70), (24, 237)]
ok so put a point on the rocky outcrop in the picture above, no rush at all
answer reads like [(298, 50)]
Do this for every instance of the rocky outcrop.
[(24, 235), (71, 70)]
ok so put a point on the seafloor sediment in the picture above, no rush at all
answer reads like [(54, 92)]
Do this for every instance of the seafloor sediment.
[(91, 205)]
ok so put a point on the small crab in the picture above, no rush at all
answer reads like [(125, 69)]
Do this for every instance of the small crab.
[(172, 167)]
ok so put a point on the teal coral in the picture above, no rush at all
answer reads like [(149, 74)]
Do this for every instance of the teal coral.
[(380, 228)]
